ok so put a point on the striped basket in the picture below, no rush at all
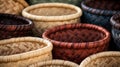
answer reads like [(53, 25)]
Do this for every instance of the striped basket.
[(21, 52), (48, 15), (55, 63), (104, 59), (74, 42)]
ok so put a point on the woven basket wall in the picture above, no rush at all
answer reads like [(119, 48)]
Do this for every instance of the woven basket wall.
[(74, 42), (104, 59), (12, 6), (55, 63), (48, 15), (115, 22), (21, 52), (14, 26)]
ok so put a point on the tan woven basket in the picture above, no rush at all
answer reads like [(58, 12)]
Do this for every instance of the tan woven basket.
[(48, 15), (55, 63), (12, 6), (21, 52), (104, 59)]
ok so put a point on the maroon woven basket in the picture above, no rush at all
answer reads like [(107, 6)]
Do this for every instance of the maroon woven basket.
[(14, 26), (74, 42)]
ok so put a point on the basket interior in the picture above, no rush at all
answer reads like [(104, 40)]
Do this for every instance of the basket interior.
[(117, 18), (104, 4), (19, 47), (77, 35), (12, 20), (52, 11), (105, 62)]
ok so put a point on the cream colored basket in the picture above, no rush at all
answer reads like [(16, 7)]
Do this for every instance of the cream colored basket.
[(55, 63), (48, 15), (12, 6), (104, 59), (21, 52)]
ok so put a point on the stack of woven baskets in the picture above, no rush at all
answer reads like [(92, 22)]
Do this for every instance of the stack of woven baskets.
[(53, 35)]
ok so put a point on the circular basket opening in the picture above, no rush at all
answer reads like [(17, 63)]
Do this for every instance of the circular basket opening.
[(104, 4), (76, 33), (19, 47), (8, 19)]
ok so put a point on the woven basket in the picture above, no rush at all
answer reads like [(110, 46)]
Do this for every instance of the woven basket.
[(12, 6), (48, 15), (55, 63), (74, 2), (74, 42), (95, 13), (115, 22), (104, 59), (21, 52), (14, 26)]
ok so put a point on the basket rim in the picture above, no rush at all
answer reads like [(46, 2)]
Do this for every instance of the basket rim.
[(7, 27), (26, 55), (78, 45), (52, 18), (113, 21), (55, 61), (98, 11), (99, 55)]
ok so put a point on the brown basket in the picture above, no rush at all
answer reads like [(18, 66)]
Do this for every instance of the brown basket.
[(21, 52), (12, 6), (75, 42), (55, 63), (48, 15), (104, 59)]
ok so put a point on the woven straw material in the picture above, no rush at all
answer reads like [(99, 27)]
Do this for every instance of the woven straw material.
[(21, 52), (104, 59), (48, 15), (74, 42), (12, 6), (55, 63)]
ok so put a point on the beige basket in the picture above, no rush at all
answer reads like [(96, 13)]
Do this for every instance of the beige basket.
[(12, 6), (48, 15), (104, 59), (21, 52), (55, 63)]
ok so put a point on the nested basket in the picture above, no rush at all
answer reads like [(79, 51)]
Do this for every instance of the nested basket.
[(48, 15), (99, 12), (14, 26), (55, 63), (104, 59), (21, 52), (74, 42), (115, 22), (12, 6)]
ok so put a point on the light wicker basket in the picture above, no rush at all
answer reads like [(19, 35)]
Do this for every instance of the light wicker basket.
[(55, 63), (48, 15), (104, 59), (21, 52), (12, 6)]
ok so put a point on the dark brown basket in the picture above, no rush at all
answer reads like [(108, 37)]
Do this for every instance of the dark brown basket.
[(74, 42), (14, 26)]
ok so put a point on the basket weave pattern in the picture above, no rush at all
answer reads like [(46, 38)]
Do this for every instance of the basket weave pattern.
[(48, 15), (55, 63), (24, 51), (74, 42), (104, 59), (12, 6)]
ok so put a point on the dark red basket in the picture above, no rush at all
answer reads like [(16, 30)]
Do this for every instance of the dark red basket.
[(74, 42), (14, 26)]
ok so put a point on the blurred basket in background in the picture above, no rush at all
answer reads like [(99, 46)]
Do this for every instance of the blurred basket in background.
[(48, 15)]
